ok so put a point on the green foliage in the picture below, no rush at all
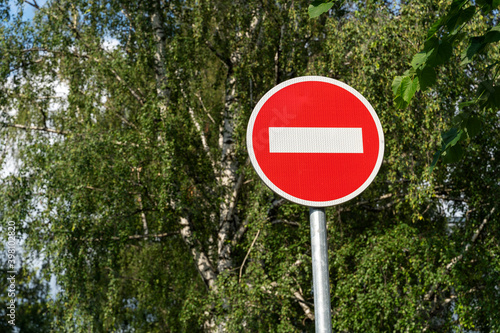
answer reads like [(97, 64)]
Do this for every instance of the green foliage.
[(125, 180), (374, 47), (33, 311), (446, 34), (392, 270)]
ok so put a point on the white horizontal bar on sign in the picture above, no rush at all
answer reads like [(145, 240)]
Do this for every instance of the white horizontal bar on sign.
[(315, 140)]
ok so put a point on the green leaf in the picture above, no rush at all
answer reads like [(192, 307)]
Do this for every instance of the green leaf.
[(451, 137), (473, 126), (409, 72), (485, 92), (319, 7), (442, 54), (462, 16), (467, 14), (396, 84), (451, 23), (476, 44), (435, 27), (493, 35), (494, 98), (430, 44), (488, 5), (448, 151), (427, 77), (409, 88), (453, 154), (457, 4), (419, 60), (405, 84), (404, 88), (454, 12), (400, 102)]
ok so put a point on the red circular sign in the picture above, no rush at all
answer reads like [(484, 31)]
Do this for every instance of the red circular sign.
[(315, 141)]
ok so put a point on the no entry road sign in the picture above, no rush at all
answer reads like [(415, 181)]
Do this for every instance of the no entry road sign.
[(315, 141)]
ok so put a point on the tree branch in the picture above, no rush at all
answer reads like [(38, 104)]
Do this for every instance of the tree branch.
[(240, 232), (35, 128), (34, 4), (204, 108), (297, 294), (458, 258), (248, 253), (50, 130), (150, 236), (139, 200), (201, 261), (304, 305), (295, 224), (197, 125), (166, 234), (225, 60), (130, 89)]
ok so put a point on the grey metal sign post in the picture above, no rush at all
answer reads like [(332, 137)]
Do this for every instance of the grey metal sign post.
[(321, 281)]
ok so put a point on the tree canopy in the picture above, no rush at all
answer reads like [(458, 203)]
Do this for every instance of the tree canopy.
[(127, 122)]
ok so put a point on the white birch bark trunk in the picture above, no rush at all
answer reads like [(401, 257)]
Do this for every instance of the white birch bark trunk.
[(201, 260), (159, 35), (230, 182), (228, 177)]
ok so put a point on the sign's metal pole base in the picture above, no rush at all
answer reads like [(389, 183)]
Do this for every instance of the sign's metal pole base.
[(322, 313)]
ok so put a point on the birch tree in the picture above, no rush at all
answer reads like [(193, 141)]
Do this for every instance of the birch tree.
[(143, 155)]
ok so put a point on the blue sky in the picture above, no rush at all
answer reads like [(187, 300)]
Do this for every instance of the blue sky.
[(29, 11)]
